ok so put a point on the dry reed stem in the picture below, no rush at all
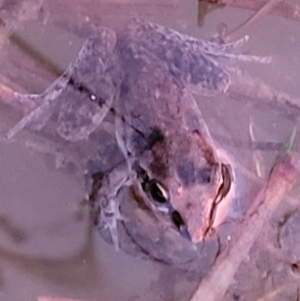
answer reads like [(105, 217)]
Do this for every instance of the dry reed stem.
[(285, 9), (265, 9), (43, 298)]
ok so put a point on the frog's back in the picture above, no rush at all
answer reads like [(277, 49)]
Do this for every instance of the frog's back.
[(148, 94)]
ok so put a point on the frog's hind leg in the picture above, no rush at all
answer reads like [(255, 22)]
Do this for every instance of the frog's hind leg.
[(89, 79)]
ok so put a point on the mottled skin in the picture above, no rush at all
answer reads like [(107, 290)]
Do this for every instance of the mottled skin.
[(172, 144), (144, 77)]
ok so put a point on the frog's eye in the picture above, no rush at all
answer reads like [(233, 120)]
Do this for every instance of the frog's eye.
[(158, 192), (155, 190)]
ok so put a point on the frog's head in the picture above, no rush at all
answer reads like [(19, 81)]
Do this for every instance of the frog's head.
[(190, 181), (202, 198)]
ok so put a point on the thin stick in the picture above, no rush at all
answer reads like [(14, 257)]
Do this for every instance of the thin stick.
[(265, 9), (43, 298)]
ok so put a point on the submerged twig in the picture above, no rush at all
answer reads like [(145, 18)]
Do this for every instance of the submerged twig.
[(265, 9), (280, 181), (285, 9), (245, 87), (44, 298), (49, 269)]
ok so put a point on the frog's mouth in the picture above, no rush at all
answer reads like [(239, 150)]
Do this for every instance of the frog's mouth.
[(220, 202)]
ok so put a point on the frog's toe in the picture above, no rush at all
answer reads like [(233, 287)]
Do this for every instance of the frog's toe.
[(109, 222), (29, 102), (114, 237), (32, 118), (246, 58), (232, 47)]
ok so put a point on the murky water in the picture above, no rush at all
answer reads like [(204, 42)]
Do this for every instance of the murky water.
[(47, 246)]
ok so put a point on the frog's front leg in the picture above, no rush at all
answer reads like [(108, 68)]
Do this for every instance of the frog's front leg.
[(109, 216), (105, 207), (82, 95)]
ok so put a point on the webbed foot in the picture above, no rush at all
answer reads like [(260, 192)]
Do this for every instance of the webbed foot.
[(109, 216), (41, 107)]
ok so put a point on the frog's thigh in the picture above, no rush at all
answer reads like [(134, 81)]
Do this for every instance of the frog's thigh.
[(100, 46), (79, 116), (91, 88)]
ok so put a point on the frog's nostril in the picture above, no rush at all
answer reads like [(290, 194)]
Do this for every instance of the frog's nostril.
[(179, 223), (177, 219)]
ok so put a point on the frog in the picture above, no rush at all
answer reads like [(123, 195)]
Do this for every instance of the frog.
[(146, 77)]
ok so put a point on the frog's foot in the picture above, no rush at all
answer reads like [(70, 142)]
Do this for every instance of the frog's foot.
[(231, 47), (109, 221), (232, 51), (109, 216), (29, 102), (34, 118), (41, 107), (243, 57)]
